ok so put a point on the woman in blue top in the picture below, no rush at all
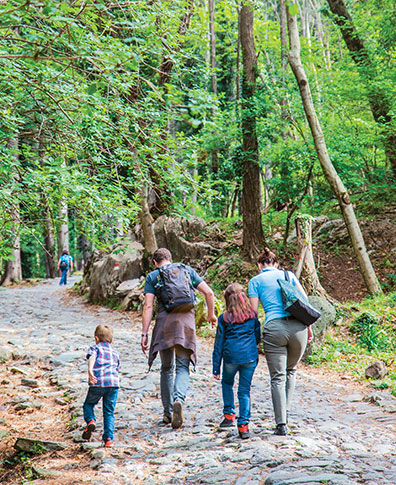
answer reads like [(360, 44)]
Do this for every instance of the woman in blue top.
[(284, 337), (237, 336)]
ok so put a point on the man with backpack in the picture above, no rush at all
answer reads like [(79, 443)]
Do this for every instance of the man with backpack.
[(173, 335), (64, 264)]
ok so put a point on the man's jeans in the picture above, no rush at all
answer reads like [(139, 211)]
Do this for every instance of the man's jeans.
[(109, 395), (246, 372), (174, 388), (63, 280)]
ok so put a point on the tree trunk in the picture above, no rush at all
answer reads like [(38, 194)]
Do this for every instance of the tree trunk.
[(47, 227), (213, 77), (253, 238), (304, 268), (84, 244), (380, 100), (63, 231), (13, 268), (150, 241), (329, 171)]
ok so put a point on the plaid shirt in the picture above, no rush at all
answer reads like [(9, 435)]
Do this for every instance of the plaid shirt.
[(106, 365)]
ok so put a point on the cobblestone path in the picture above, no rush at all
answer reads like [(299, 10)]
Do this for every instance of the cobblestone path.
[(336, 437)]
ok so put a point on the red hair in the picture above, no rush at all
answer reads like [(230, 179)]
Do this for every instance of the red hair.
[(238, 307)]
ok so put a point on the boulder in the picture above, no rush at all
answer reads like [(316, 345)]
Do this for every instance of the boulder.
[(5, 353), (321, 326), (127, 286), (106, 274), (377, 370), (172, 233)]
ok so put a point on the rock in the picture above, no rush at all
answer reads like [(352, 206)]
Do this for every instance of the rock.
[(106, 275), (33, 383), (5, 353), (98, 454), (377, 370), (45, 472), (4, 433), (126, 286), (17, 370), (35, 446), (171, 233), (321, 326)]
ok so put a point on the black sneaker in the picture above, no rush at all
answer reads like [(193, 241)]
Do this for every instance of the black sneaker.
[(280, 430), (243, 431), (177, 418), (89, 430), (166, 419), (228, 421)]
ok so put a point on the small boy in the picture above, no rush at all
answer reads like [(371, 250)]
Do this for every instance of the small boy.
[(103, 364)]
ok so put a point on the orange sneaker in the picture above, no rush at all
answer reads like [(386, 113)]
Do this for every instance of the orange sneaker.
[(108, 443), (89, 430), (228, 421), (243, 430)]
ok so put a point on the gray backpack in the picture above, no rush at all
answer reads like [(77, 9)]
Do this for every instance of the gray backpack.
[(174, 288)]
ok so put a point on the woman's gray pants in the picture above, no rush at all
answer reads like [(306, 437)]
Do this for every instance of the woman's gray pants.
[(284, 340)]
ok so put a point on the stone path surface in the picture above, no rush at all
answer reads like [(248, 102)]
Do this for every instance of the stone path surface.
[(335, 436)]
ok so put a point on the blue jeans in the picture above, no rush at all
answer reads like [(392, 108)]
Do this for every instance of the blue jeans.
[(174, 386), (109, 395), (246, 372), (63, 280)]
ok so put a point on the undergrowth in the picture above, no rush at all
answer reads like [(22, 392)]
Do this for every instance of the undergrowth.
[(365, 332)]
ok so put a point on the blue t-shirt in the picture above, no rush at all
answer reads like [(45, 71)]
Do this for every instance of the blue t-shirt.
[(153, 278), (265, 287)]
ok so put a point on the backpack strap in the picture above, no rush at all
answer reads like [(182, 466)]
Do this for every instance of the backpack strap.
[(287, 277)]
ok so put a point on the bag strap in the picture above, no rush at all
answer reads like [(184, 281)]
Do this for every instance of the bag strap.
[(287, 277)]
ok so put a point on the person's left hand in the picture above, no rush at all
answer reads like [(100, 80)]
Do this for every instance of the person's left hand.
[(216, 376), (212, 319)]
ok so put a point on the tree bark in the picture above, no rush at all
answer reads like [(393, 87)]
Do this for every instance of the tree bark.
[(213, 77), (63, 231), (379, 99), (329, 171), (47, 226), (150, 241), (305, 268), (253, 238), (13, 268)]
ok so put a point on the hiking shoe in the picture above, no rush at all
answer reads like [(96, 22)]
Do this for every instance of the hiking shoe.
[(280, 430), (108, 443), (177, 418), (89, 430), (166, 419), (243, 431), (228, 421)]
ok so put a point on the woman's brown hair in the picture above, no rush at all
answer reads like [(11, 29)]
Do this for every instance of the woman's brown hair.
[(267, 257), (238, 307)]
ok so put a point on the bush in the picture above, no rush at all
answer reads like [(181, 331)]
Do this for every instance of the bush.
[(371, 336)]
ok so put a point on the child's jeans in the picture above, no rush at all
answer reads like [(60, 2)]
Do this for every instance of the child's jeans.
[(246, 372), (109, 395)]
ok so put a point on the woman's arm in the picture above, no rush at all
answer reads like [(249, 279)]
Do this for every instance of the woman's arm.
[(218, 347)]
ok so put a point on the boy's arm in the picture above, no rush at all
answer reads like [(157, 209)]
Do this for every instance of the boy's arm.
[(91, 362), (146, 319), (207, 293)]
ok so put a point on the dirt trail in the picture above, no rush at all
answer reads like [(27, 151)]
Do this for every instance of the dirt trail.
[(335, 436)]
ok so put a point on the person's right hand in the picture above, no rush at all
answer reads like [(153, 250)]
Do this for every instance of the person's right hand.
[(216, 376), (144, 344), (212, 319), (310, 334)]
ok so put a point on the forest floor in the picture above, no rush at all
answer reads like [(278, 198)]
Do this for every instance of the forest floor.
[(337, 435)]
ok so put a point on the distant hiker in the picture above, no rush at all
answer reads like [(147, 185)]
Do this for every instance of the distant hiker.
[(103, 364), (284, 337), (237, 337), (174, 332), (64, 264)]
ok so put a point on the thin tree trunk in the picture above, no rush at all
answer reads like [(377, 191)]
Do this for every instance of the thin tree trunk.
[(13, 268), (63, 231), (48, 229), (84, 244), (305, 264), (213, 77), (380, 100), (253, 238), (150, 241), (329, 171)]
